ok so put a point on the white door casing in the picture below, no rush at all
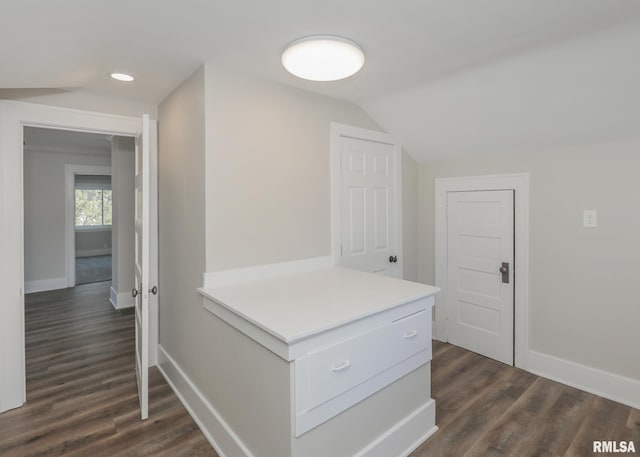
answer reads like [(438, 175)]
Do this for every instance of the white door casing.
[(14, 116), (519, 183), (366, 200), (142, 287), (480, 272)]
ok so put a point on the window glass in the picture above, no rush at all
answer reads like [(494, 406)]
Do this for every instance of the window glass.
[(93, 207)]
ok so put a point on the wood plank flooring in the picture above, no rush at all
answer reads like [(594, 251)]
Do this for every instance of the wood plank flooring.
[(81, 386), (82, 397), (484, 408)]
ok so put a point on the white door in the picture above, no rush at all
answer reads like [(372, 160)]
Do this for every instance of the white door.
[(369, 207), (141, 290), (480, 229)]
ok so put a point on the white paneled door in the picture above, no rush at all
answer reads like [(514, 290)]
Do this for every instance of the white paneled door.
[(369, 206), (480, 246), (141, 289)]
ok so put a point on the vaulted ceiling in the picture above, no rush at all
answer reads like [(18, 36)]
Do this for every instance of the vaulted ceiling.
[(446, 77)]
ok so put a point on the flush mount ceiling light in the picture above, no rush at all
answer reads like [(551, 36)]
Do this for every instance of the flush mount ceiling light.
[(323, 58), (122, 77)]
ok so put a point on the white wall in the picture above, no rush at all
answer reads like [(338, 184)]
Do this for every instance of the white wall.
[(584, 299), (267, 165), (45, 212), (181, 158), (93, 242), (122, 184), (410, 184)]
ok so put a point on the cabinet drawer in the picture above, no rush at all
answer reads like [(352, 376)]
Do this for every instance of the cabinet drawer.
[(338, 368)]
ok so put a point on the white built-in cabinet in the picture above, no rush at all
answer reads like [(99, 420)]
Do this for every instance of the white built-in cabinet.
[(346, 335)]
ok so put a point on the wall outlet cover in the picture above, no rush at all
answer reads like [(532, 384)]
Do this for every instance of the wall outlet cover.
[(590, 218)]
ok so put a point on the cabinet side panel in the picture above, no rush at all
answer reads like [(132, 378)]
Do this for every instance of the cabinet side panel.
[(242, 396)]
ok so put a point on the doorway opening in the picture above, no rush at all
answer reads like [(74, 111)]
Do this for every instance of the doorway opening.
[(78, 232), (78, 210)]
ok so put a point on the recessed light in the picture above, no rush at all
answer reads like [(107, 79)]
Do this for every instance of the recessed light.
[(323, 58), (122, 77)]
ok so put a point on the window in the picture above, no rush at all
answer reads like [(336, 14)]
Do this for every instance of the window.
[(93, 198)]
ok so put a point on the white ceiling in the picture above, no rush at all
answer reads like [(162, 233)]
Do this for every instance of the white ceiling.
[(72, 45)]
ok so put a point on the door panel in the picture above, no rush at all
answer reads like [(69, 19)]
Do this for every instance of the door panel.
[(141, 291), (480, 234), (368, 206)]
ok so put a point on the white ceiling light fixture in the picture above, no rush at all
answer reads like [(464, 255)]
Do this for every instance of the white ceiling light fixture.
[(122, 77), (323, 58)]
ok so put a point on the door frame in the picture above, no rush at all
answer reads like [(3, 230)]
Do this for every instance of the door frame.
[(14, 116), (339, 131), (519, 183), (70, 174)]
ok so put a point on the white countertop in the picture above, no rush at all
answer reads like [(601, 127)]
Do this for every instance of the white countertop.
[(296, 306)]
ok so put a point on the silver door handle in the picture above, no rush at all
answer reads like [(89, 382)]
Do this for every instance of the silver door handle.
[(134, 292)]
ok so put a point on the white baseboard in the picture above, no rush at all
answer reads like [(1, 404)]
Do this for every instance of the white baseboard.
[(599, 382), (120, 300), (41, 285), (235, 276), (215, 429), (410, 429), (93, 252)]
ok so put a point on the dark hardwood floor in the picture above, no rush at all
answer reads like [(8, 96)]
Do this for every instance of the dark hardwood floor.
[(82, 398), (81, 386), (484, 408)]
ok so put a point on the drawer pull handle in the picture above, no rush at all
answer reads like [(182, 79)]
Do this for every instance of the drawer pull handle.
[(342, 366), (410, 334)]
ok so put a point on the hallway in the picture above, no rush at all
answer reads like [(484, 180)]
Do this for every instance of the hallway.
[(81, 386)]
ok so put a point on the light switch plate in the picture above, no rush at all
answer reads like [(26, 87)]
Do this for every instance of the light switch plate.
[(590, 218)]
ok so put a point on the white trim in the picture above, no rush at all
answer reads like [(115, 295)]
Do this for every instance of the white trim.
[(94, 228), (520, 184), (406, 430), (213, 426), (121, 300), (93, 252), (272, 270), (14, 116), (41, 285), (608, 385), (339, 131), (70, 174)]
